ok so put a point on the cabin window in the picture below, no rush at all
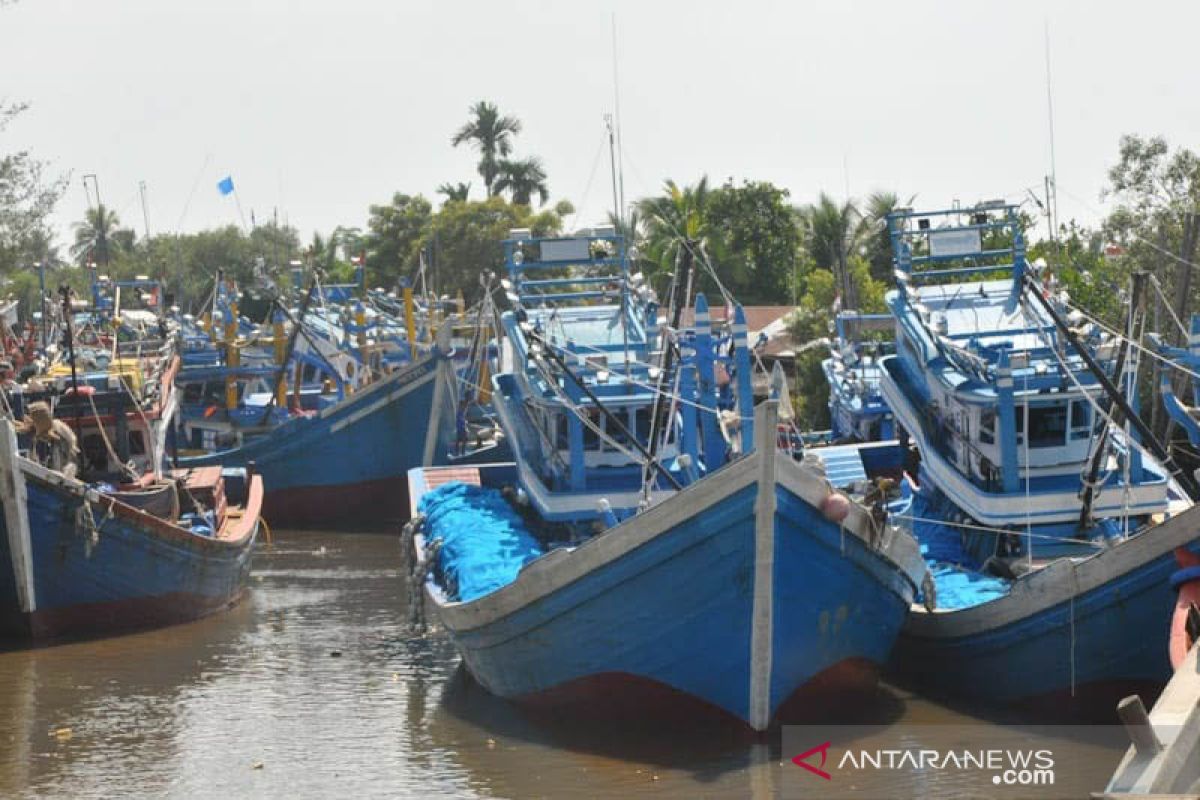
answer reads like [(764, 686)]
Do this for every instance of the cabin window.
[(192, 392), (987, 426), (137, 443), (641, 424), (591, 439), (561, 440), (1081, 419), (1047, 425)]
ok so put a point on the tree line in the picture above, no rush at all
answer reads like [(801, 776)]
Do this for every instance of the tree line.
[(751, 237)]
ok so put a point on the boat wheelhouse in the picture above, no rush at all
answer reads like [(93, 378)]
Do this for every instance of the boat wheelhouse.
[(1007, 414), (1046, 509), (858, 411)]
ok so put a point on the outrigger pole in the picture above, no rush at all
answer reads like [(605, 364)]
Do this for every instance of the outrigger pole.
[(1148, 438), (281, 374), (612, 418), (681, 281), (1089, 486)]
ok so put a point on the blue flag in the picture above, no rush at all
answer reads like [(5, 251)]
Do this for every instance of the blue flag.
[(226, 185)]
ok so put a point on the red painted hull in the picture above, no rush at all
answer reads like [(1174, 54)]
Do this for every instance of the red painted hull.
[(368, 504), (99, 619), (622, 697)]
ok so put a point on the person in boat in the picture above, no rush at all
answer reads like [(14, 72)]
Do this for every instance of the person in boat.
[(460, 429), (53, 443), (13, 394)]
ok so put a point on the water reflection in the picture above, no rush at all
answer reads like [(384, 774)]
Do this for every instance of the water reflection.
[(314, 688)]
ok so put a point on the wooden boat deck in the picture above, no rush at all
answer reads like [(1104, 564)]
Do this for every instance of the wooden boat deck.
[(435, 477)]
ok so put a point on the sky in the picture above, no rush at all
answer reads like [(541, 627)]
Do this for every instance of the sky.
[(318, 110)]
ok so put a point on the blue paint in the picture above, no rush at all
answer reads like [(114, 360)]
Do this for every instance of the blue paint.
[(132, 575), (374, 435), (834, 602)]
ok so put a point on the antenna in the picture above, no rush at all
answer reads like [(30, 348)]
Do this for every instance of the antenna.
[(145, 210), (617, 122), (612, 155), (1052, 182)]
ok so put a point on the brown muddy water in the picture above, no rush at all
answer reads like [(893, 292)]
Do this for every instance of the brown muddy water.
[(313, 687)]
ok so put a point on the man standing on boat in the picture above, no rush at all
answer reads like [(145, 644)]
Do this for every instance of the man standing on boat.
[(53, 443)]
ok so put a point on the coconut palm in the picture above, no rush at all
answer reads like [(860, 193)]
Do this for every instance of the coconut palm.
[(491, 134), (833, 234), (677, 218), (455, 192), (873, 235), (94, 236), (522, 178)]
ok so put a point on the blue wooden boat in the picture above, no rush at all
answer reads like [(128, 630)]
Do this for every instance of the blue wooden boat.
[(716, 567), (76, 562), (1048, 526), (346, 464), (330, 421), (857, 410), (85, 559)]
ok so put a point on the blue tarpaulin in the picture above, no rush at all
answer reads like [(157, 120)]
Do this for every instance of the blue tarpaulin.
[(484, 542)]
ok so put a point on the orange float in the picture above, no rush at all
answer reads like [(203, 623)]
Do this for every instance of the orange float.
[(1187, 582)]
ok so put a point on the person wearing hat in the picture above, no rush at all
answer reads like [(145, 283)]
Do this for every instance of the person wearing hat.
[(54, 445)]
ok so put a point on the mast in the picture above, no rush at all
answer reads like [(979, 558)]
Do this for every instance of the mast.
[(65, 291), (1089, 486), (617, 121), (1052, 178), (1114, 393)]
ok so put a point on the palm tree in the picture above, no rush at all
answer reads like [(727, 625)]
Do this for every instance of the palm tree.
[(523, 178), (491, 134), (833, 234), (676, 217), (873, 234), (455, 192), (94, 236)]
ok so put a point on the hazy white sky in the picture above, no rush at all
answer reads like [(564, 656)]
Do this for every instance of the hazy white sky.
[(321, 108)]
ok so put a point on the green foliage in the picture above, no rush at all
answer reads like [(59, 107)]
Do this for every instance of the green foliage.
[(522, 179), (491, 133), (27, 197), (99, 237), (463, 240), (1094, 283), (455, 192), (188, 263), (760, 243), (394, 237)]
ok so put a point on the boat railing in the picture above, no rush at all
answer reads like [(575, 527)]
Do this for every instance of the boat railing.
[(973, 241)]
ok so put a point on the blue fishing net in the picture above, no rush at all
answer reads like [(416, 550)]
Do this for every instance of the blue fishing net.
[(958, 586), (484, 542)]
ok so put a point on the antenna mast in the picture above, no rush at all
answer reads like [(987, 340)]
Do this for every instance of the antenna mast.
[(620, 187), (1052, 181)]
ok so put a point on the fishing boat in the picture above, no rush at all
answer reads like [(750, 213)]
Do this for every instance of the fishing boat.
[(647, 535), (334, 443), (1046, 508), (857, 410), (111, 541)]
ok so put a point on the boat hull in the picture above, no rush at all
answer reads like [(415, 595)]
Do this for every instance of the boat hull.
[(736, 591), (134, 571), (1072, 629), (346, 466)]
